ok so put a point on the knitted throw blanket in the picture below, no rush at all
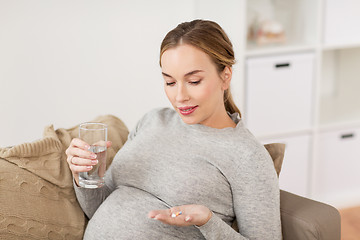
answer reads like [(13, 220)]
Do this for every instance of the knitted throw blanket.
[(37, 198)]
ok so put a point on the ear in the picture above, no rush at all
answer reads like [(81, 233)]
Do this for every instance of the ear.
[(226, 76)]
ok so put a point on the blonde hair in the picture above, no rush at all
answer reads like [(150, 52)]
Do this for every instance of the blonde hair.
[(210, 38)]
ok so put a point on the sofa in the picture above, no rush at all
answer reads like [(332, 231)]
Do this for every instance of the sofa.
[(37, 199)]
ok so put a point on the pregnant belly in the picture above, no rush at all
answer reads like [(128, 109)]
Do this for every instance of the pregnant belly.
[(123, 215)]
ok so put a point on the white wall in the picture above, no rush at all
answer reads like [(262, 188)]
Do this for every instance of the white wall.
[(66, 62)]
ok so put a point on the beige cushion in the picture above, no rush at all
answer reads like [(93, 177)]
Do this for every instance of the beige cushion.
[(306, 219), (276, 151), (37, 199)]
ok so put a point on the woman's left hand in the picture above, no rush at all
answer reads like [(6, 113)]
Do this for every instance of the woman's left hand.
[(184, 215)]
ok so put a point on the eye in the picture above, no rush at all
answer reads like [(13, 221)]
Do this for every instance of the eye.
[(195, 82), (170, 83)]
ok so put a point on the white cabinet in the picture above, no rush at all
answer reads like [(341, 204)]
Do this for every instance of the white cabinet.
[(342, 20), (297, 101), (337, 175), (279, 93), (322, 93), (294, 175)]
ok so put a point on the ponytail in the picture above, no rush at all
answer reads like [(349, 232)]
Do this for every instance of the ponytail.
[(230, 105)]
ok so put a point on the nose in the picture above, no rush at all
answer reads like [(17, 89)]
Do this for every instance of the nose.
[(182, 93)]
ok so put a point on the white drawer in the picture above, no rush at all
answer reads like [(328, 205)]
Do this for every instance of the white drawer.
[(294, 175), (279, 93), (337, 173)]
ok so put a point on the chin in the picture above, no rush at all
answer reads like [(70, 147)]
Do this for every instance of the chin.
[(188, 120)]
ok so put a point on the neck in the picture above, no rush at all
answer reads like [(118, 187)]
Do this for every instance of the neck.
[(223, 120), (229, 122)]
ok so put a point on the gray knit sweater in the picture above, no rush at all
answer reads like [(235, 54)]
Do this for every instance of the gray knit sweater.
[(166, 163)]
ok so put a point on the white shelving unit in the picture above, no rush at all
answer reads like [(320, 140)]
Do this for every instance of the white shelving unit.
[(321, 28), (324, 29), (328, 30), (322, 170)]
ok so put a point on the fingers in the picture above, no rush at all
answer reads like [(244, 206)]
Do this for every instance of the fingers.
[(77, 164), (83, 162), (184, 215), (79, 158), (77, 142), (171, 216), (78, 152), (78, 169), (154, 213), (181, 220)]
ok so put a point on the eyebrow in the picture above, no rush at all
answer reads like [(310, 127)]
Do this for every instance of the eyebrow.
[(186, 75)]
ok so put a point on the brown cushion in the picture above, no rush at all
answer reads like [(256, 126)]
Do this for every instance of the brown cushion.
[(306, 219), (276, 151), (37, 199)]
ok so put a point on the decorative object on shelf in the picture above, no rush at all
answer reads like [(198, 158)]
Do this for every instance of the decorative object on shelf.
[(266, 31)]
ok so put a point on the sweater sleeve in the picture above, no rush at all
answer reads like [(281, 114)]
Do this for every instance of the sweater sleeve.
[(91, 199), (216, 228), (256, 201)]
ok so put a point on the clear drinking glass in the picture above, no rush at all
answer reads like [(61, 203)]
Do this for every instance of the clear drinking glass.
[(94, 134)]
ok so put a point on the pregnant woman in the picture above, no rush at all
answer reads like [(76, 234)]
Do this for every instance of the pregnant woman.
[(188, 172)]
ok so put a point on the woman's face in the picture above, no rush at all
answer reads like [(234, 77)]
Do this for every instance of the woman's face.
[(194, 86)]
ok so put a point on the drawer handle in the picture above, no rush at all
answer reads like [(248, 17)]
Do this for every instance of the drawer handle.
[(349, 135), (282, 65)]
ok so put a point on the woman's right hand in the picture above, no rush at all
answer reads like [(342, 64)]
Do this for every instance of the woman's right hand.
[(79, 158)]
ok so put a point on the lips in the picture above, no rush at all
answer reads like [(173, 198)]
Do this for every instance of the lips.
[(187, 110)]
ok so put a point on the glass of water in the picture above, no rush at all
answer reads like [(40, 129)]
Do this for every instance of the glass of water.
[(94, 134)]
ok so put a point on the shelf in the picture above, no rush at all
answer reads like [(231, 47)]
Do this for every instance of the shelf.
[(254, 50), (295, 18), (339, 46), (337, 112), (285, 134), (340, 88), (340, 124)]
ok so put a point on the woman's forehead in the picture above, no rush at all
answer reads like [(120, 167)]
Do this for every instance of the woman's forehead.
[(184, 58)]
